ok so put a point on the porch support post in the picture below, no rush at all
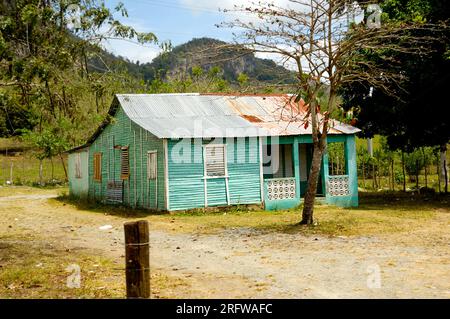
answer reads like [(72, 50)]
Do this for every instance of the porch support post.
[(326, 172), (261, 168), (166, 174), (351, 168), (295, 149)]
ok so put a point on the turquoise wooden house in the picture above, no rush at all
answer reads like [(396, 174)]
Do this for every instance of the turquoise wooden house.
[(183, 151)]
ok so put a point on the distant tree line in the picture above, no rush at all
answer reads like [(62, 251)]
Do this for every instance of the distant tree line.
[(413, 118)]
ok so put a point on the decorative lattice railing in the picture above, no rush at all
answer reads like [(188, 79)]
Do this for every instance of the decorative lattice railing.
[(281, 188), (338, 185)]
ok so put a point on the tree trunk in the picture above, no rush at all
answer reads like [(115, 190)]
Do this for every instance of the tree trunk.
[(417, 174), (363, 174), (403, 171), (53, 168), (332, 165), (40, 172), (64, 166), (338, 166), (379, 176), (425, 163), (11, 173), (393, 174), (375, 174), (426, 176), (374, 177), (23, 164), (96, 102), (443, 166), (438, 173), (310, 196)]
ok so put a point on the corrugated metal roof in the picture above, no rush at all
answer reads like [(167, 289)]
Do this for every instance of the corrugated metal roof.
[(194, 115)]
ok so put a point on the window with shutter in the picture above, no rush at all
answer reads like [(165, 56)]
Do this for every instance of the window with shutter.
[(151, 165), (97, 167), (77, 165), (215, 160), (124, 164)]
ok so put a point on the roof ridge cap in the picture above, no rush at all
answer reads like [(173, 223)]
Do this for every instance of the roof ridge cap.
[(158, 94)]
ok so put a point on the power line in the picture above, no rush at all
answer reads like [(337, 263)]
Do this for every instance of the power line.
[(173, 5), (191, 8)]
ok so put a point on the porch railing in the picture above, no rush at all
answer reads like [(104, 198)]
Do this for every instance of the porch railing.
[(281, 188), (338, 185)]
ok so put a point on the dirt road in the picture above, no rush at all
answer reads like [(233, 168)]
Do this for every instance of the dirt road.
[(245, 263)]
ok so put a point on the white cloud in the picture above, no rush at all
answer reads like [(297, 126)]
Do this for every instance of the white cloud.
[(278, 59), (132, 51), (199, 5)]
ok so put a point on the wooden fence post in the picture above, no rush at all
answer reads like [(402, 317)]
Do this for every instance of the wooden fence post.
[(137, 259), (11, 173)]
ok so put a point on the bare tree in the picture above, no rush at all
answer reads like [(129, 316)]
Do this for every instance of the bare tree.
[(325, 46)]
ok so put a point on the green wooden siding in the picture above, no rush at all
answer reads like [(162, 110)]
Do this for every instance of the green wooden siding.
[(244, 170), (186, 189), (186, 174), (186, 180), (138, 191), (79, 187), (216, 189)]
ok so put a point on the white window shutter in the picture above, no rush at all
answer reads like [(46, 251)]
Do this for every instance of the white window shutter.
[(215, 160)]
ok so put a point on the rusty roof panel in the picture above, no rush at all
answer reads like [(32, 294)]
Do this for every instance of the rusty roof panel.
[(190, 115)]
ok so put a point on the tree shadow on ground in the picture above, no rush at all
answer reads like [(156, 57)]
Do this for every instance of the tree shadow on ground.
[(411, 201), (378, 213), (109, 209)]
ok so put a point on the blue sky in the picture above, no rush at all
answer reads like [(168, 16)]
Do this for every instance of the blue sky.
[(176, 20), (179, 21)]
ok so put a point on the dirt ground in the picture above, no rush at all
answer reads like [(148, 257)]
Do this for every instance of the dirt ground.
[(244, 262)]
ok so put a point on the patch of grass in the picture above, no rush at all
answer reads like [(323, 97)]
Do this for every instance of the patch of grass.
[(84, 204), (28, 190), (164, 286), (9, 143), (378, 214), (30, 269), (25, 169), (34, 268)]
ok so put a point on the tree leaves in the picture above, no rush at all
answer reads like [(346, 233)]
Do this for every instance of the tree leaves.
[(45, 70)]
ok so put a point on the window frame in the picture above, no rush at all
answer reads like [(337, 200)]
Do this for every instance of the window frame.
[(78, 165), (149, 154), (97, 167), (225, 162), (122, 175)]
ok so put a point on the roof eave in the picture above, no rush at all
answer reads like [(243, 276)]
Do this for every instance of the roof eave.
[(111, 112)]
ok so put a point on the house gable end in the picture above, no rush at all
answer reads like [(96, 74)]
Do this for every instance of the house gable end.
[(120, 134)]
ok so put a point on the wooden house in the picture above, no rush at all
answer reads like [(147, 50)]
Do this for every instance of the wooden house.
[(184, 151)]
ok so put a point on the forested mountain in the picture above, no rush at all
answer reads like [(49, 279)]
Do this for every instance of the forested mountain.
[(49, 93), (207, 53), (204, 53)]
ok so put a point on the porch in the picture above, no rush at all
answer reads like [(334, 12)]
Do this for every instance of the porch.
[(286, 167)]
